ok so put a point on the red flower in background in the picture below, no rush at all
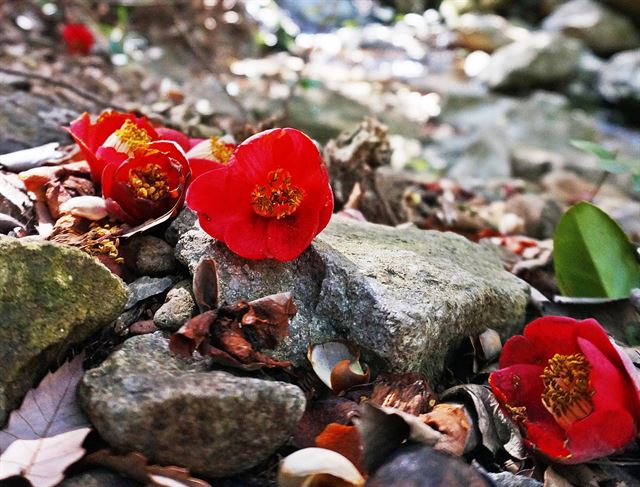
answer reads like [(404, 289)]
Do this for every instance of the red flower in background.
[(270, 201), (210, 154), (146, 185), (78, 38), (564, 383)]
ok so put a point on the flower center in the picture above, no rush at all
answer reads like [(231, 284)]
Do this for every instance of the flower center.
[(128, 138), (150, 182), (99, 241), (567, 395), (220, 151), (278, 198)]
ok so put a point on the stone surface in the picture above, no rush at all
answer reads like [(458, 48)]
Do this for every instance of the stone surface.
[(405, 297), (154, 256), (51, 297), (177, 412), (602, 29), (100, 477), (486, 32), (620, 78), (184, 222), (541, 59), (507, 479), (178, 307), (144, 287)]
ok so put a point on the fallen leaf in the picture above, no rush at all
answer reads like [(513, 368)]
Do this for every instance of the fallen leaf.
[(205, 285), (343, 439), (407, 392), (451, 420), (29, 158), (319, 414), (191, 335), (48, 410), (318, 467), (269, 318), (43, 461), (136, 466), (336, 363)]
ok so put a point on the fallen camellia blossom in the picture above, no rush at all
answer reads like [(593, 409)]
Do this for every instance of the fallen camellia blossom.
[(78, 38), (564, 383), (270, 201), (146, 185), (209, 154)]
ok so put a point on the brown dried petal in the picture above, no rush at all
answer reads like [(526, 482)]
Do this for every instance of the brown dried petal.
[(274, 312), (192, 334), (318, 415), (205, 285), (407, 392), (450, 420), (346, 375)]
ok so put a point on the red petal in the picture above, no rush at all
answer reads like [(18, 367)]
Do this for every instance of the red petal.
[(520, 350), (201, 166), (289, 237), (246, 237), (521, 385), (165, 133), (548, 439), (553, 334), (602, 433)]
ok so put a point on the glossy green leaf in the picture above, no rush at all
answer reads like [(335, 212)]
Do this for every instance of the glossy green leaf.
[(597, 149), (592, 255)]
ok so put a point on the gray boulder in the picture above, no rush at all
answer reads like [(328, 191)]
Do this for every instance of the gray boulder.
[(620, 78), (51, 297), (178, 307), (404, 296), (177, 412), (540, 59), (486, 32), (602, 29)]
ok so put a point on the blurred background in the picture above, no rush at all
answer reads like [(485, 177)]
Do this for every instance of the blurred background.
[(487, 93)]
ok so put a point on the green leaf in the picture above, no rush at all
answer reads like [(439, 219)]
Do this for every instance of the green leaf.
[(597, 149), (613, 166), (636, 182), (592, 255)]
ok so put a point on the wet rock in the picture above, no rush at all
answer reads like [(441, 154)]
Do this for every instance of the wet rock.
[(211, 422), (602, 29), (51, 297), (541, 59), (100, 477), (486, 32), (620, 80), (144, 287), (178, 307), (486, 157), (403, 296), (154, 256)]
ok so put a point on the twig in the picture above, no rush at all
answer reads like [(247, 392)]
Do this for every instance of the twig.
[(62, 84), (599, 185)]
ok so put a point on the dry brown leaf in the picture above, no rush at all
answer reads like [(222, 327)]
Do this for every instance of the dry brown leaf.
[(407, 392), (450, 420), (136, 466), (48, 410), (318, 415), (343, 439), (205, 285), (43, 461)]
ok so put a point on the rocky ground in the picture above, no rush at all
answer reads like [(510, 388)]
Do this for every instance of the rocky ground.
[(446, 199)]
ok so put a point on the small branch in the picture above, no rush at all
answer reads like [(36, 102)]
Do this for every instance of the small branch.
[(62, 84)]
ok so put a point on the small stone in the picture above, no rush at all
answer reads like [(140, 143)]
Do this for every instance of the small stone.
[(178, 307), (507, 479), (176, 411), (620, 79), (51, 297), (144, 287), (185, 221), (602, 29), (541, 59), (154, 256), (486, 32), (404, 297)]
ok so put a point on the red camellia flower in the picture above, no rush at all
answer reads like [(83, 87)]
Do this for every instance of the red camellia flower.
[(270, 200), (78, 38), (210, 154), (146, 185), (573, 394)]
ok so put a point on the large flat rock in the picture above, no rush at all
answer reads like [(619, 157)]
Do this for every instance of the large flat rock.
[(404, 296), (51, 297)]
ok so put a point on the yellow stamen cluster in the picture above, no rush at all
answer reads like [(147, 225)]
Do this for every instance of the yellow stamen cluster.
[(278, 198), (100, 241), (567, 392), (128, 139), (220, 151), (150, 183)]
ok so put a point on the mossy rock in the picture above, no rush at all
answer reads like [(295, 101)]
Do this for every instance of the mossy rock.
[(51, 297)]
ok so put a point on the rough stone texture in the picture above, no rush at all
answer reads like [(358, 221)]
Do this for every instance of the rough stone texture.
[(405, 297), (154, 256), (176, 412), (602, 29), (185, 221), (507, 479), (178, 307), (540, 59), (486, 32), (51, 297), (620, 78), (144, 287), (100, 477)]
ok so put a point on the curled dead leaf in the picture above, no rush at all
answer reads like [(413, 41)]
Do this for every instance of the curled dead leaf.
[(318, 467), (455, 425), (191, 335), (408, 392), (205, 285), (336, 363), (319, 414), (343, 439)]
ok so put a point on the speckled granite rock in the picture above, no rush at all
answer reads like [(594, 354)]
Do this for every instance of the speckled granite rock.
[(51, 297), (177, 412), (405, 297)]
